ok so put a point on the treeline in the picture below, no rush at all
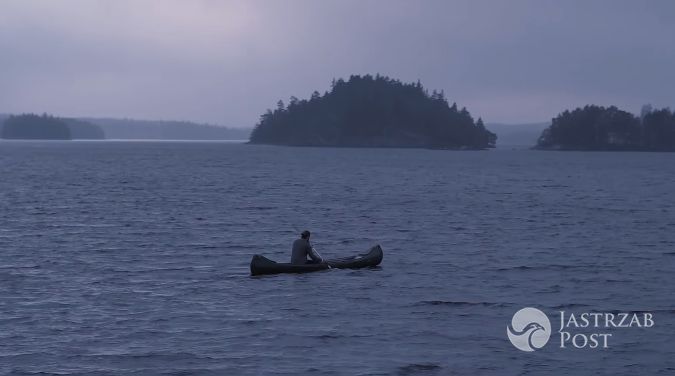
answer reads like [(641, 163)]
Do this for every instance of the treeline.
[(166, 130), (609, 128), (47, 127), (368, 111), (84, 130)]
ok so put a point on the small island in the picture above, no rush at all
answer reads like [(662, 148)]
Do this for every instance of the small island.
[(35, 127), (609, 128), (47, 127), (368, 111)]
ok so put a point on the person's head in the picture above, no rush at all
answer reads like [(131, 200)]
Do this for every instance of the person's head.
[(305, 234)]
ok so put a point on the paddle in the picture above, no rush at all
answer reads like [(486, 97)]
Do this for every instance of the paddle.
[(321, 257)]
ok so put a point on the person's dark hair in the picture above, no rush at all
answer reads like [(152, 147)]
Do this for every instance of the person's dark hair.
[(305, 234)]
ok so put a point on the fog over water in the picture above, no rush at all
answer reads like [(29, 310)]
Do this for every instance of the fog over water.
[(225, 62)]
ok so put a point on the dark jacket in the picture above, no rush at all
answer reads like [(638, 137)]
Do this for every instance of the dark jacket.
[(302, 249)]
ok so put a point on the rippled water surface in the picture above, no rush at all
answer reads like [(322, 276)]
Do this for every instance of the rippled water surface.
[(132, 259)]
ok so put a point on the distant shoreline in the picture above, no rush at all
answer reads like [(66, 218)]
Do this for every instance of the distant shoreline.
[(122, 140)]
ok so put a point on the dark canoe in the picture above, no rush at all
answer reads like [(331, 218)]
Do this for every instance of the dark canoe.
[(262, 265)]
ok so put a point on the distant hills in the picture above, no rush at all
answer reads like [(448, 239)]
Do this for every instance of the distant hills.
[(84, 130), (166, 130), (31, 126)]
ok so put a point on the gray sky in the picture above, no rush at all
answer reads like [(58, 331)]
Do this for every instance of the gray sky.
[(225, 62)]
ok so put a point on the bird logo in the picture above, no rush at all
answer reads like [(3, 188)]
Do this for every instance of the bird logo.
[(530, 329)]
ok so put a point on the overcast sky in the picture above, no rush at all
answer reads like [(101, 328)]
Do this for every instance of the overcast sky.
[(225, 62)]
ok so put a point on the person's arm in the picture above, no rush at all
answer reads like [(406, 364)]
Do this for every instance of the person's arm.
[(313, 254)]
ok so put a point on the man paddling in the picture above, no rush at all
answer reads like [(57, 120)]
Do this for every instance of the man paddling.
[(302, 249)]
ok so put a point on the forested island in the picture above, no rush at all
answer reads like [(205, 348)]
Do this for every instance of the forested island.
[(609, 128), (368, 111), (47, 127)]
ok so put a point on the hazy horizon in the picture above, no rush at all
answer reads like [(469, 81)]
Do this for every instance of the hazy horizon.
[(226, 62)]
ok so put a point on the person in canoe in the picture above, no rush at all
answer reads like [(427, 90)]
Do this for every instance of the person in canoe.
[(302, 248)]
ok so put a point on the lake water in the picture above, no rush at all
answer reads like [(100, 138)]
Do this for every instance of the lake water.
[(121, 258)]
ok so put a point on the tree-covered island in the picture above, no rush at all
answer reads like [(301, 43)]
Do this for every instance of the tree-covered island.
[(47, 127), (609, 128), (35, 127), (368, 111)]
